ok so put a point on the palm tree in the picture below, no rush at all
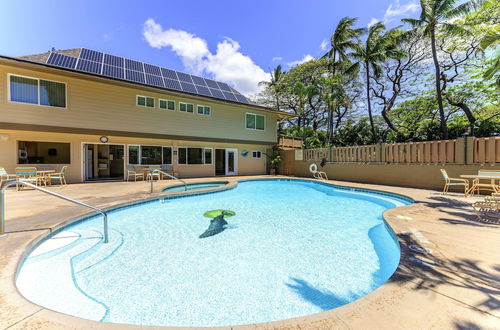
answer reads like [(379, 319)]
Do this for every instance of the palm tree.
[(436, 15), (370, 54), (274, 84), (343, 39), (303, 93), (491, 40)]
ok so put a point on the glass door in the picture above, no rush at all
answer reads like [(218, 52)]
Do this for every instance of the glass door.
[(231, 161)]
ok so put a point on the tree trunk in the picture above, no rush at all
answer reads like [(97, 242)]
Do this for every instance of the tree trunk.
[(468, 113), (444, 128), (388, 120), (368, 102)]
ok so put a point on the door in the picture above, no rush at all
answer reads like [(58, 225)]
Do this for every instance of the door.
[(89, 161), (220, 162), (231, 162)]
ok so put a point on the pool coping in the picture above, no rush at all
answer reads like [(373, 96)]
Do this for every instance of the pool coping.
[(333, 316)]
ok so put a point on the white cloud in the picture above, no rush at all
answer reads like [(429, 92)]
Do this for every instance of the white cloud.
[(227, 64), (304, 59), (277, 59), (324, 45), (396, 10)]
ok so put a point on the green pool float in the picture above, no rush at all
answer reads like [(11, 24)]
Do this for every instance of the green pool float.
[(217, 224)]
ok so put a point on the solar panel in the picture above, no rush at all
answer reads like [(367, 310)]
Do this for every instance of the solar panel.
[(167, 73), (91, 55), (184, 77), (62, 60), (152, 69), (88, 66), (154, 80), (112, 71), (203, 90), (241, 98), (134, 76), (224, 86), (211, 83), (133, 65), (198, 81), (172, 84), (230, 96), (217, 93), (113, 60), (188, 87)]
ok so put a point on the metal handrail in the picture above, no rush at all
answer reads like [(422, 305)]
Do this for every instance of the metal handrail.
[(11, 183), (170, 176)]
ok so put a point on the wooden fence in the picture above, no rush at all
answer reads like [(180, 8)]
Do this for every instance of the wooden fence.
[(458, 151)]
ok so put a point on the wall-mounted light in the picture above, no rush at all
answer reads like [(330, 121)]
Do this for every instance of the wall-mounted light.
[(104, 139)]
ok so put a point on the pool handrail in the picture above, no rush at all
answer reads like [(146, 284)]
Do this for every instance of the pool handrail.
[(16, 182), (170, 176)]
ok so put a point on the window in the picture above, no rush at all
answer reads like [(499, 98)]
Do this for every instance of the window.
[(149, 155), (186, 107), (253, 121), (31, 152), (256, 154), (204, 110), (166, 104), (145, 101), (195, 156), (37, 91)]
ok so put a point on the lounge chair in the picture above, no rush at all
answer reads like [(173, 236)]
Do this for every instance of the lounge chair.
[(29, 175), (488, 210), (59, 175), (454, 182), (131, 172), (4, 176), (313, 168)]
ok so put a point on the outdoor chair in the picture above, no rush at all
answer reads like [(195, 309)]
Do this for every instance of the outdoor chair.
[(488, 210), (4, 176), (29, 175), (313, 168), (454, 182), (167, 169), (59, 175), (131, 172)]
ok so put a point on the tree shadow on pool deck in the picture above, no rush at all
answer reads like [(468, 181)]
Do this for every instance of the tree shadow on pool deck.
[(323, 299)]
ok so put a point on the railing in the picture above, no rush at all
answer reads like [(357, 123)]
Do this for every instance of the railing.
[(315, 155), (487, 150), (11, 183), (290, 142), (170, 176)]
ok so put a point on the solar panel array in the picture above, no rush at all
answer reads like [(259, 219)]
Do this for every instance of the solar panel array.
[(99, 63)]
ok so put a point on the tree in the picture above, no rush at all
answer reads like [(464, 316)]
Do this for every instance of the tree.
[(274, 84), (370, 54), (437, 14)]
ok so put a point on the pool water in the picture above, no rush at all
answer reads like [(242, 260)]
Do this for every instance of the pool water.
[(194, 186), (293, 248)]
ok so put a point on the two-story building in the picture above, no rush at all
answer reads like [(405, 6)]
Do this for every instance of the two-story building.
[(100, 114)]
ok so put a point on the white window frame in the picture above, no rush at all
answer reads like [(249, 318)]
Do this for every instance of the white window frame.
[(186, 103), (139, 156), (146, 101), (255, 114), (38, 97), (203, 156), (204, 106), (256, 157), (166, 100)]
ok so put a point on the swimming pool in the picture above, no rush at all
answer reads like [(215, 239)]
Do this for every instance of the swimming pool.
[(290, 248), (194, 186)]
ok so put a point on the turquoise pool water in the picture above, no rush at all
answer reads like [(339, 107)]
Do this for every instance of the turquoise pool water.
[(194, 186), (292, 248)]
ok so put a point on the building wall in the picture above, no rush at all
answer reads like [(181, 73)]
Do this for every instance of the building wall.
[(97, 103), (9, 152)]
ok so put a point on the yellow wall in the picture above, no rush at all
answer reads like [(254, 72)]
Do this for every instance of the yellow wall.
[(9, 153), (96, 103)]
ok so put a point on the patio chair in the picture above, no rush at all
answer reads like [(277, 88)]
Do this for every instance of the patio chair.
[(29, 175), (488, 210), (454, 182), (131, 172), (167, 169), (59, 175), (313, 168), (4, 176)]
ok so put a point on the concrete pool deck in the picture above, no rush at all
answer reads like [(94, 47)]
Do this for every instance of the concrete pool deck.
[(454, 285)]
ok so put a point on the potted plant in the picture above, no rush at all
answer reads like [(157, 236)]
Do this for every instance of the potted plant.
[(274, 161)]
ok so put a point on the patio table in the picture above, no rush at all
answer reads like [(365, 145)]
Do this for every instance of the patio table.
[(475, 181), (44, 174)]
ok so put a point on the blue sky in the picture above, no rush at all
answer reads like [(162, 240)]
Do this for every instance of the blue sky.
[(232, 41)]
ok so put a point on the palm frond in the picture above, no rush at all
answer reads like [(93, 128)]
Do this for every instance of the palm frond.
[(463, 9), (413, 22), (491, 38), (454, 29)]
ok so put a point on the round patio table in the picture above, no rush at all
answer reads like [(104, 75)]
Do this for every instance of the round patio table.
[(475, 181)]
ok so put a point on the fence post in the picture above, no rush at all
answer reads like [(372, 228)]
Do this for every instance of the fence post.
[(460, 152), (380, 153)]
